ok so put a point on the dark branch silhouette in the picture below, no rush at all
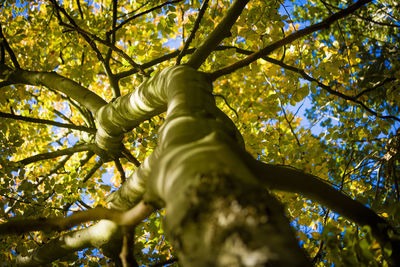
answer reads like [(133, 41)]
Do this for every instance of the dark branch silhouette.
[(139, 15), (217, 35), (194, 30), (288, 39), (48, 122), (56, 154), (7, 47)]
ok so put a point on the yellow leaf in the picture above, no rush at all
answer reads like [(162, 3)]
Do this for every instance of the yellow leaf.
[(316, 235)]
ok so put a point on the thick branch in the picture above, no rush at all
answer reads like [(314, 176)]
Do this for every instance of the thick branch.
[(193, 33), (97, 236), (289, 179), (48, 122), (131, 217), (55, 82), (56, 154), (120, 169), (288, 39), (128, 111), (217, 35), (162, 59), (127, 254)]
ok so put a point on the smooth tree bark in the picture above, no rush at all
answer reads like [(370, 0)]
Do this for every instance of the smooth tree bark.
[(207, 190), (219, 211)]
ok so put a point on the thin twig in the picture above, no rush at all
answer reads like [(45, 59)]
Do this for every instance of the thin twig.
[(140, 14), (290, 124), (53, 170), (329, 89), (90, 38), (226, 103), (28, 202), (92, 171)]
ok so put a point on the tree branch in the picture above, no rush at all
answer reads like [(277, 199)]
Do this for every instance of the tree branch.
[(54, 169), (192, 34), (120, 170), (78, 3), (288, 39), (28, 202), (140, 14), (111, 77), (320, 84), (217, 35), (376, 86), (2, 53), (97, 236), (125, 152), (288, 179), (131, 217), (3, 41), (161, 59), (127, 254), (151, 63), (96, 166), (290, 124), (75, 26), (90, 38), (56, 82), (61, 115), (48, 122), (163, 263), (84, 112), (330, 90), (363, 18), (56, 154)]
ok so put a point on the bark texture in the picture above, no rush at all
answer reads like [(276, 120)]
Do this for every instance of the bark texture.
[(216, 213)]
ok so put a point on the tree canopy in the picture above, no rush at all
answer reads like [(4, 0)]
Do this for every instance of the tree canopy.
[(312, 86)]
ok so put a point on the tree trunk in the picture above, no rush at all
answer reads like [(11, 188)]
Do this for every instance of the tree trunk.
[(217, 214)]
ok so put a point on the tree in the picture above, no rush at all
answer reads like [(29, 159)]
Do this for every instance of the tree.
[(210, 134)]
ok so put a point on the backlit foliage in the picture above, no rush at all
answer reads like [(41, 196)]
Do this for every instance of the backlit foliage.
[(284, 116)]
